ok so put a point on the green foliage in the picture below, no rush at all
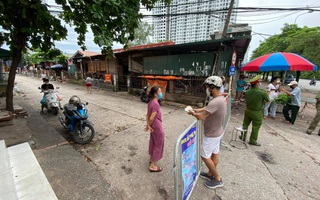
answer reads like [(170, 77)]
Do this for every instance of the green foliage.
[(282, 99), (142, 34), (30, 24), (110, 21), (303, 41), (38, 56)]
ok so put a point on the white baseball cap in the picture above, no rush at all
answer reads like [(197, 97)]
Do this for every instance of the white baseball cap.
[(214, 80), (293, 83)]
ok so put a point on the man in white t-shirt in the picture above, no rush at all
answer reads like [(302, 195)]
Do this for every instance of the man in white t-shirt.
[(273, 92)]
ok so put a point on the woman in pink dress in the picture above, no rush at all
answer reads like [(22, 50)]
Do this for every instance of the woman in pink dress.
[(154, 126)]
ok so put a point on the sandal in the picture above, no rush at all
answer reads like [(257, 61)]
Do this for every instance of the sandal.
[(159, 169)]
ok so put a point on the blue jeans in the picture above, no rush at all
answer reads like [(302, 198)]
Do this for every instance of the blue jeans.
[(273, 109)]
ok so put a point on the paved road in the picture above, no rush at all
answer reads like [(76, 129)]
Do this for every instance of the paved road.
[(304, 84), (285, 167)]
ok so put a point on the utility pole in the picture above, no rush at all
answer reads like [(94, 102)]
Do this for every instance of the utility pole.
[(226, 24), (167, 22)]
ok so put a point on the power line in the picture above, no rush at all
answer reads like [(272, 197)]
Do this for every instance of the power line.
[(237, 11)]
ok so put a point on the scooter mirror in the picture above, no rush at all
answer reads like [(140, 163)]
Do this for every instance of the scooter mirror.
[(87, 103)]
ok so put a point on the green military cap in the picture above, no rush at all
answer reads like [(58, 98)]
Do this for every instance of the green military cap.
[(255, 79), (318, 95)]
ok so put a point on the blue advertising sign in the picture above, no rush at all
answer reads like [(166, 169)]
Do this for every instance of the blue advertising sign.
[(189, 161), (232, 70)]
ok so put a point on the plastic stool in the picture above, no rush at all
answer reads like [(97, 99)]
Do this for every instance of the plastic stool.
[(234, 138)]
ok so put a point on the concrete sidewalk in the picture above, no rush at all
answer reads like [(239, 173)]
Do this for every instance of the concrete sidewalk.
[(70, 174)]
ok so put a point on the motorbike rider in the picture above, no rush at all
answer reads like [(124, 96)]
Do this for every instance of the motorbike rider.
[(47, 86), (313, 81)]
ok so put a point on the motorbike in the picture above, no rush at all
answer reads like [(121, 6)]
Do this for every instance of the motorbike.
[(144, 95), (50, 100), (76, 121), (313, 82)]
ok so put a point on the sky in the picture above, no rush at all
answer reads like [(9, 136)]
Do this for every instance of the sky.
[(266, 24), (271, 24)]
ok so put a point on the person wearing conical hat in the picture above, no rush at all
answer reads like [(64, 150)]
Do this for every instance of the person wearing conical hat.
[(255, 99), (316, 118)]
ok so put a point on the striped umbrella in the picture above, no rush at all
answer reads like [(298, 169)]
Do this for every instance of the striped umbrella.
[(280, 61)]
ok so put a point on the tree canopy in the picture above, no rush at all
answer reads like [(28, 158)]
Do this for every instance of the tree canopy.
[(31, 24), (38, 56), (304, 41), (142, 34)]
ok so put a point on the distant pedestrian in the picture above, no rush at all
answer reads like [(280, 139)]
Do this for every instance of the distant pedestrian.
[(89, 84), (316, 118), (154, 126), (240, 87), (294, 103), (273, 92), (222, 89), (213, 115), (43, 75), (255, 99)]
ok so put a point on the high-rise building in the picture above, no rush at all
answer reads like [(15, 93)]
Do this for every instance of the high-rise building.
[(190, 20)]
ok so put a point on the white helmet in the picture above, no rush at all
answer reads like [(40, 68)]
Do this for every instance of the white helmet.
[(75, 100), (213, 80)]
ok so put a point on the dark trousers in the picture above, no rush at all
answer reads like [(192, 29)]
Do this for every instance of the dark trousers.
[(294, 112)]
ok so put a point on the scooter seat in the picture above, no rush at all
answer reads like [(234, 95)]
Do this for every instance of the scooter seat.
[(69, 109)]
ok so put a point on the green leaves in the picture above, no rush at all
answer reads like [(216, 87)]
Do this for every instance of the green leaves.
[(30, 23), (304, 41), (282, 99), (40, 56)]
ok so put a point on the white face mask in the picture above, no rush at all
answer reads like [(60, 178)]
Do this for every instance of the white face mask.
[(208, 92)]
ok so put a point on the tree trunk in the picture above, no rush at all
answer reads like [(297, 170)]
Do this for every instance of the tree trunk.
[(17, 54)]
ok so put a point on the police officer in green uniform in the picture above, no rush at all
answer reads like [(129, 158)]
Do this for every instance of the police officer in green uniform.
[(255, 99), (316, 119)]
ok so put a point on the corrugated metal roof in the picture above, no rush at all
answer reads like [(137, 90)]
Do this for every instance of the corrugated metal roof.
[(207, 45), (85, 54), (144, 47)]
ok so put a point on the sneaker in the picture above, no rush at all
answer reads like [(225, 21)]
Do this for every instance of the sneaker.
[(308, 132), (214, 184), (205, 176)]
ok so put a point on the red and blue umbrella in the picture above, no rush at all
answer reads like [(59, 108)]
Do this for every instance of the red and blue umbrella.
[(280, 61)]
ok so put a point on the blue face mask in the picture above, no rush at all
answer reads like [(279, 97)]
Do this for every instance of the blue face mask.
[(160, 95)]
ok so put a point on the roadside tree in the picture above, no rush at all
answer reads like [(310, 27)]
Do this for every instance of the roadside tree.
[(38, 56), (142, 34), (35, 24), (303, 41)]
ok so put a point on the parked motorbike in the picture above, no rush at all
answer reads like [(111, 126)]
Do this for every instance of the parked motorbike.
[(50, 100), (76, 121), (313, 82), (144, 96)]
